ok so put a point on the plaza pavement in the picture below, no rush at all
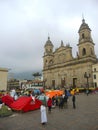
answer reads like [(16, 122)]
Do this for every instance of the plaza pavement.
[(84, 117)]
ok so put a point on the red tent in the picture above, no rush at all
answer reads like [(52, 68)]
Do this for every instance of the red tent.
[(25, 104), (8, 100)]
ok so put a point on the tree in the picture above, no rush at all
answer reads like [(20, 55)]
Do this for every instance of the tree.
[(37, 74)]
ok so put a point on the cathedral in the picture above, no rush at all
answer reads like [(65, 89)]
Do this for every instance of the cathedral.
[(61, 69)]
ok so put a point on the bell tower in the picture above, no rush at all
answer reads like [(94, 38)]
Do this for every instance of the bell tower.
[(48, 47), (48, 53), (85, 44)]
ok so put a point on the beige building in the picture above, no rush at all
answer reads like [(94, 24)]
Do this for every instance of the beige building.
[(3, 78), (61, 69), (95, 74)]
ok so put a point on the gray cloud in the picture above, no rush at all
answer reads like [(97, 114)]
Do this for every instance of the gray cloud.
[(25, 25)]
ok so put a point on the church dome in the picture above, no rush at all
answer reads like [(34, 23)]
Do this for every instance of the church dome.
[(48, 42), (84, 26)]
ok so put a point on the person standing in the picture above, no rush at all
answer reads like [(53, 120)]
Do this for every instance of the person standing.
[(87, 92), (65, 101), (49, 104), (74, 100), (43, 99), (43, 114), (12, 93)]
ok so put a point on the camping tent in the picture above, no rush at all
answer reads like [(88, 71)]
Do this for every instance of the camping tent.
[(25, 104), (8, 100), (53, 93)]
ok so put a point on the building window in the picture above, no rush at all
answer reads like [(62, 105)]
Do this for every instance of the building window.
[(46, 62), (50, 50), (82, 35), (84, 51), (94, 76), (95, 84), (94, 69), (50, 62)]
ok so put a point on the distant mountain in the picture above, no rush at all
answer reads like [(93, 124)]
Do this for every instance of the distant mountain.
[(21, 76)]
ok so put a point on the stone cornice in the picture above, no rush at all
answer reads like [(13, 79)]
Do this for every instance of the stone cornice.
[(71, 63)]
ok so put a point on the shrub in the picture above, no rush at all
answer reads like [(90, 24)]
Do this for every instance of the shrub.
[(5, 111)]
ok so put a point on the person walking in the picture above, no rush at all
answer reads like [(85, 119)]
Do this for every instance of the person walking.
[(43, 114), (74, 100)]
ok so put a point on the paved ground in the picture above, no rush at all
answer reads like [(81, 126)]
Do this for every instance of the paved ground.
[(84, 117)]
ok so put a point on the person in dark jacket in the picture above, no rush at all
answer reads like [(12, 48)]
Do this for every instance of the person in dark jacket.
[(66, 101), (74, 100)]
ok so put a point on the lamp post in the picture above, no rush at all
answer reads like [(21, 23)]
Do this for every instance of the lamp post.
[(87, 76)]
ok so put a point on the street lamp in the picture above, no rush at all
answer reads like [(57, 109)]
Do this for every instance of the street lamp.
[(87, 76)]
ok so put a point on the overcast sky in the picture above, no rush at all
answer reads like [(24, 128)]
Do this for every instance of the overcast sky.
[(26, 24)]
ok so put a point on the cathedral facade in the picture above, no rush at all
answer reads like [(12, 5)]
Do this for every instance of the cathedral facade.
[(61, 69)]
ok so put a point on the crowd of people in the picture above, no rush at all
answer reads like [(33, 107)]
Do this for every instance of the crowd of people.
[(56, 101), (60, 101), (48, 103)]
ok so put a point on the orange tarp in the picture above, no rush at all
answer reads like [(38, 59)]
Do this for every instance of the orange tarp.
[(54, 93)]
